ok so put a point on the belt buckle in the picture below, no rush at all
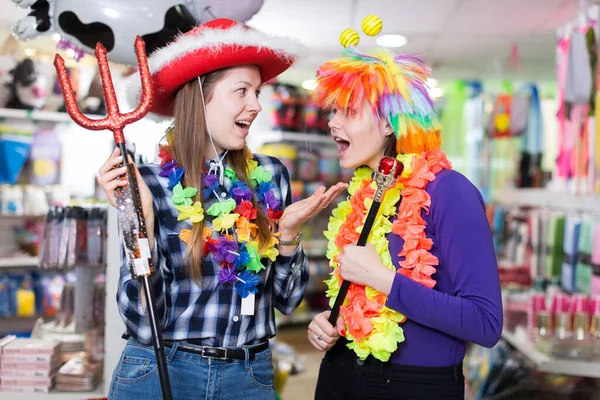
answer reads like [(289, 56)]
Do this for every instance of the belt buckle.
[(207, 350)]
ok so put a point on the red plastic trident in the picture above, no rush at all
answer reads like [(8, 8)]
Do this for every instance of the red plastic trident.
[(114, 121), (129, 206)]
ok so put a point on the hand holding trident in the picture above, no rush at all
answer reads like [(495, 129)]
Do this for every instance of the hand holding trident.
[(129, 207)]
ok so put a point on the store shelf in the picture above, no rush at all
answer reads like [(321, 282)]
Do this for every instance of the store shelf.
[(17, 262), (549, 364), (14, 325), (547, 198), (96, 394), (281, 136), (49, 116)]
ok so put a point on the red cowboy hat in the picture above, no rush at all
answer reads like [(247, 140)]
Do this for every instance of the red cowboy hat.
[(217, 44)]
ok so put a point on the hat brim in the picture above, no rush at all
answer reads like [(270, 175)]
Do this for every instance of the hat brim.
[(192, 55)]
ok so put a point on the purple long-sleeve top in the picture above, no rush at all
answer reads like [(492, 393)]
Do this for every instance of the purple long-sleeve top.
[(465, 305)]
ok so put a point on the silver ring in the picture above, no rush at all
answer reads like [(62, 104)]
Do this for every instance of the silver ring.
[(320, 337)]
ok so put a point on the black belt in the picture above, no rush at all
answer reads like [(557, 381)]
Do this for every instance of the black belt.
[(218, 353)]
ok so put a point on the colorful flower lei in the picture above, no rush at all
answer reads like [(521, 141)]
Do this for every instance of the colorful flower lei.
[(236, 249), (371, 327)]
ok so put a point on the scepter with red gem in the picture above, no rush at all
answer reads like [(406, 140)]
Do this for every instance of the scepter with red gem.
[(388, 171), (129, 204)]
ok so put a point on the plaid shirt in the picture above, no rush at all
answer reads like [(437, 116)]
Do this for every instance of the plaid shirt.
[(211, 311)]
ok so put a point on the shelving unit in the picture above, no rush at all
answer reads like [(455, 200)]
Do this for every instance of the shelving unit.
[(99, 393), (19, 262), (47, 116), (550, 199), (549, 364), (258, 138)]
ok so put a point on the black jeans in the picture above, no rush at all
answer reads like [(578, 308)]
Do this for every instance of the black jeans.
[(344, 376)]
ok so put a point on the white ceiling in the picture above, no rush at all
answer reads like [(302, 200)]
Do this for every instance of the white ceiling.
[(458, 38)]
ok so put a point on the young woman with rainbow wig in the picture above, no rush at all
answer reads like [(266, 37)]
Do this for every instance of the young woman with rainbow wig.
[(427, 281)]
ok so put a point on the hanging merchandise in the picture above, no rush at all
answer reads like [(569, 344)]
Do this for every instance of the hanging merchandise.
[(15, 145), (554, 253), (74, 236), (570, 245), (473, 114), (532, 146), (453, 123), (583, 271), (578, 133)]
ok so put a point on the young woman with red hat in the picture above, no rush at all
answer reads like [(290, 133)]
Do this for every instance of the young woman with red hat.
[(427, 281), (211, 207)]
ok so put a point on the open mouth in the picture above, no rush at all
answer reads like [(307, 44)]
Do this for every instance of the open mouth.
[(342, 145), (244, 125)]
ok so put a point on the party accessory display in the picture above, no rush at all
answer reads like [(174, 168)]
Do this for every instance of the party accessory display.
[(394, 87), (236, 246), (371, 25), (371, 327), (129, 206), (389, 170)]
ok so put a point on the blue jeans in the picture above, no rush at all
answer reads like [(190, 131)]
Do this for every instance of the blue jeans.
[(192, 376)]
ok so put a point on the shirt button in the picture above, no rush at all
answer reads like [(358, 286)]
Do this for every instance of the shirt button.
[(236, 318), (360, 362), (223, 194)]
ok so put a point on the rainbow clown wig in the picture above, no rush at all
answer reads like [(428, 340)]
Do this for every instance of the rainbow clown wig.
[(395, 88)]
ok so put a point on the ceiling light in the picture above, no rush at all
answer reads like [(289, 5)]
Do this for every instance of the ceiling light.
[(436, 92), (309, 84), (56, 37), (111, 12), (391, 40), (30, 52)]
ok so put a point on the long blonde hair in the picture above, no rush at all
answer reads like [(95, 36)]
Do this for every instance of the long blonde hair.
[(187, 140)]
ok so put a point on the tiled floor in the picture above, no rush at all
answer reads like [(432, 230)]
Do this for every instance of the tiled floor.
[(301, 386)]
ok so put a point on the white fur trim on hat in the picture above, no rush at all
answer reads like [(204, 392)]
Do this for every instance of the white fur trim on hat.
[(212, 39)]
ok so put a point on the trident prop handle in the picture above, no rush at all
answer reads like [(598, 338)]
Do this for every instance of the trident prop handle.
[(385, 177), (129, 205)]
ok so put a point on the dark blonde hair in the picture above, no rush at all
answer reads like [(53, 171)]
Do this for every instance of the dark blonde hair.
[(188, 140)]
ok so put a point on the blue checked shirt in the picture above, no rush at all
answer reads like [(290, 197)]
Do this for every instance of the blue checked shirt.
[(211, 311)]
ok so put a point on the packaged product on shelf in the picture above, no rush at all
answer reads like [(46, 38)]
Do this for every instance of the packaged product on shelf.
[(297, 190), (96, 236), (286, 154), (329, 166), (35, 201), (284, 111), (14, 151), (79, 375), (570, 244), (25, 298), (11, 200), (310, 117), (45, 158), (29, 365), (307, 165)]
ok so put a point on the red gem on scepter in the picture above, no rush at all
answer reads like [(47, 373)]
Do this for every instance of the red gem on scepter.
[(386, 165)]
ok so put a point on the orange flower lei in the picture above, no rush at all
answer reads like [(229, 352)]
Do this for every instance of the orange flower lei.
[(371, 327)]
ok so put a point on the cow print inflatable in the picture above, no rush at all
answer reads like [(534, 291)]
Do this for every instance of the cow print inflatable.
[(116, 23)]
